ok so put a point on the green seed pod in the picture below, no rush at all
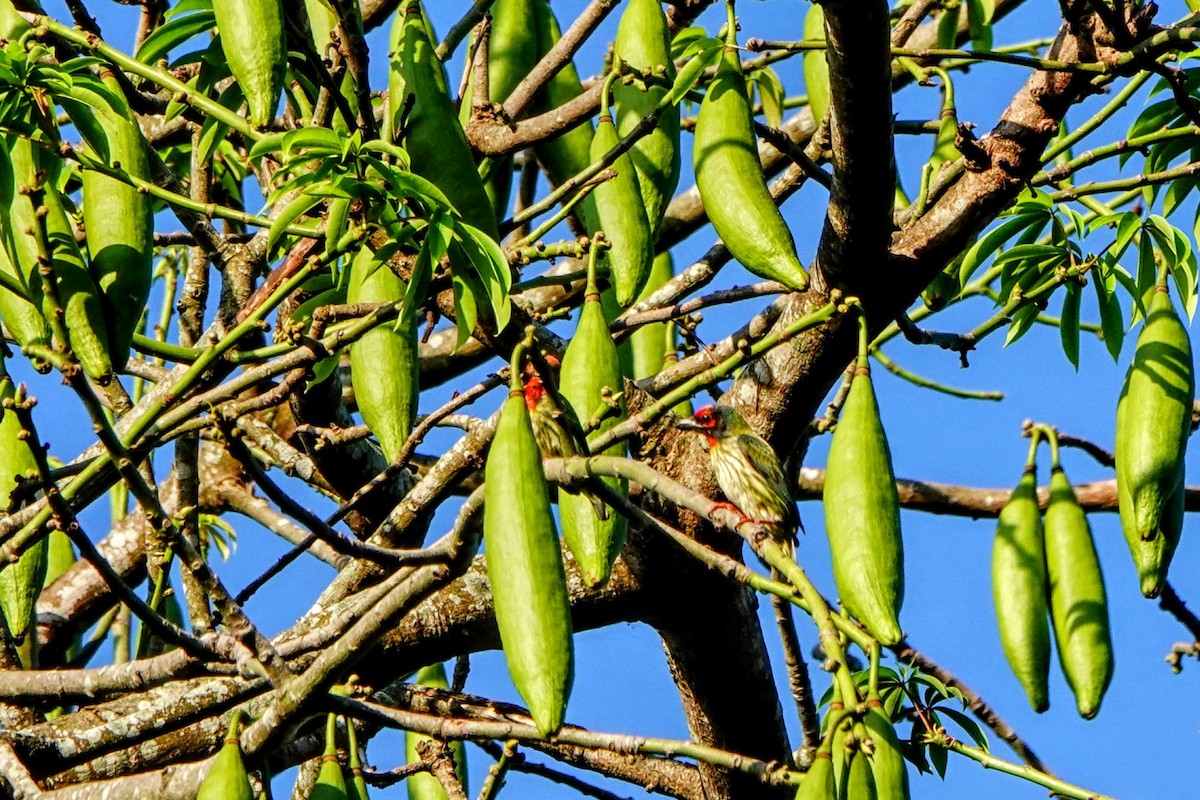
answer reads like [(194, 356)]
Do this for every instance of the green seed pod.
[(383, 363), (60, 556), (512, 53), (525, 568), (1154, 418), (645, 351), (942, 289), (20, 582), (253, 43), (589, 366), (730, 179), (322, 22), (622, 217), (80, 298), (818, 782), (566, 155), (331, 784), (12, 24), (1078, 604), (862, 515), (356, 785), (816, 66), (21, 313), (644, 43), (842, 746), (888, 771), (860, 785), (117, 217), (1019, 590), (423, 786), (227, 778), (422, 119)]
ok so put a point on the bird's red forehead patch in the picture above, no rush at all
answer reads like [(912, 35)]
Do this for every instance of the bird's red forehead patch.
[(706, 416), (535, 390)]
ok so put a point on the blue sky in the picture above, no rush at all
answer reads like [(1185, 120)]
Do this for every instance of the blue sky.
[(1144, 742)]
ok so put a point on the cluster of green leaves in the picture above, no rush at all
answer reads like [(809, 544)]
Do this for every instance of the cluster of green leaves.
[(1168, 132), (925, 702), (1040, 245)]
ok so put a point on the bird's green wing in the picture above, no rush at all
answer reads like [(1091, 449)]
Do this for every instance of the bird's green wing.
[(760, 454)]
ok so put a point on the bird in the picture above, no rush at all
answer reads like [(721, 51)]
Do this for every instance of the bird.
[(551, 422), (555, 429), (748, 472)]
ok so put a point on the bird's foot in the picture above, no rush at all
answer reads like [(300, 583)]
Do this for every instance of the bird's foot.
[(727, 506)]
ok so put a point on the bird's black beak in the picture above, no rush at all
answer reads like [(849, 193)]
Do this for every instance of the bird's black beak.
[(689, 424)]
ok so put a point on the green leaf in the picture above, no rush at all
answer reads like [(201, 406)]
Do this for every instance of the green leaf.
[(1029, 252), (991, 242), (177, 30), (772, 95), (947, 30), (271, 143), (1177, 192), (1023, 320), (1111, 322), (1128, 226), (1069, 324), (688, 41), (969, 725), (1153, 119), (318, 140), (466, 309), (1147, 273), (690, 73), (491, 266), (937, 757), (300, 206), (387, 149), (979, 23)]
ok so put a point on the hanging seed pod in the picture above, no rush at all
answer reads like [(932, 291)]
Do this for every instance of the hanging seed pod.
[(12, 24), (356, 784), (23, 231), (20, 582), (525, 567), (60, 556), (730, 178), (843, 746), (1078, 604), (253, 43), (818, 782), (565, 155), (862, 514), (322, 24), (424, 786), (383, 363), (227, 778), (644, 43), (512, 53), (645, 351), (621, 216), (1019, 588), (20, 313), (860, 784), (1154, 418), (421, 118), (331, 784), (590, 365), (889, 774), (816, 66), (117, 217)]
